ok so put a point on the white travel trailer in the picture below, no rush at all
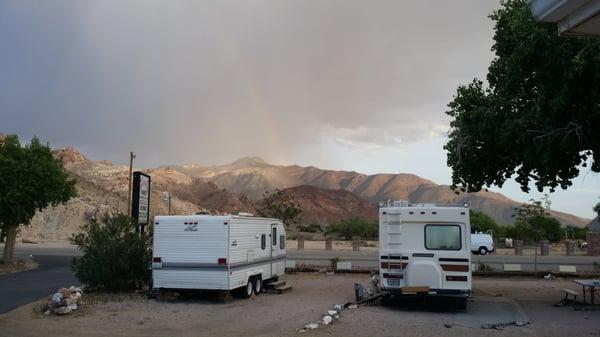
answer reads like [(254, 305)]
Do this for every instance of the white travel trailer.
[(219, 253), (425, 249)]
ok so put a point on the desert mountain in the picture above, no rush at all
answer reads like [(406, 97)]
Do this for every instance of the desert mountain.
[(322, 206), (253, 176), (326, 196)]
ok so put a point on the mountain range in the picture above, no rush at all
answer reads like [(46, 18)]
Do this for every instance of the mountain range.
[(326, 196)]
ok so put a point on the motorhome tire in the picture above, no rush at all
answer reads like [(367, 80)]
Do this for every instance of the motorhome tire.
[(248, 289), (258, 285), (482, 250)]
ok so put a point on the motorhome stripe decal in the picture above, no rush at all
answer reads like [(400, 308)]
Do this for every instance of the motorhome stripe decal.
[(423, 255), (455, 267), (447, 259), (394, 257)]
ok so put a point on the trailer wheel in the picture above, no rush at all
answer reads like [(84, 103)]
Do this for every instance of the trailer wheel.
[(482, 250), (248, 289), (258, 286)]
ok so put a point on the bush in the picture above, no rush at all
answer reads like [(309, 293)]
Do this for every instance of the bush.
[(481, 222), (312, 228), (354, 227), (115, 257)]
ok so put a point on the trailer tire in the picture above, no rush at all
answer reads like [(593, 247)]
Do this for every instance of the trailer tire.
[(482, 251), (258, 285), (248, 290)]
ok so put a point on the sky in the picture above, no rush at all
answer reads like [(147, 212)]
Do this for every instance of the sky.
[(338, 84)]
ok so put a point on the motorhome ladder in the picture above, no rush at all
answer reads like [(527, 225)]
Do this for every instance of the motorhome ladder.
[(394, 229)]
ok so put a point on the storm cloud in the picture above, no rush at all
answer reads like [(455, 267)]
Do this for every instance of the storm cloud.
[(210, 81)]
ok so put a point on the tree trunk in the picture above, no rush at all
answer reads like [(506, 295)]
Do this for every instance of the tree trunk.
[(9, 246)]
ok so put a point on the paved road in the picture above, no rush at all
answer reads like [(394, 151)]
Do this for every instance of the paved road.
[(369, 259), (21, 288)]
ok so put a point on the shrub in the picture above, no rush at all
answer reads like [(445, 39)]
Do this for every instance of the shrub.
[(312, 228), (115, 257), (483, 267), (354, 227), (481, 222)]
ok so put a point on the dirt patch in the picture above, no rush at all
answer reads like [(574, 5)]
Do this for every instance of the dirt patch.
[(312, 295), (18, 266)]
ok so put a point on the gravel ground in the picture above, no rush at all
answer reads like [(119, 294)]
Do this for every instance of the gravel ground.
[(313, 294)]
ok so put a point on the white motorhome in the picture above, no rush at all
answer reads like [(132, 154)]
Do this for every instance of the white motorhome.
[(220, 253), (425, 249)]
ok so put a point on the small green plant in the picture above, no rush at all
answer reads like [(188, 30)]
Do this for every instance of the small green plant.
[(115, 258), (312, 228), (484, 267), (333, 262)]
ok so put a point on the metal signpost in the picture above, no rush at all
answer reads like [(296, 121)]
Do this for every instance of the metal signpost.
[(140, 205)]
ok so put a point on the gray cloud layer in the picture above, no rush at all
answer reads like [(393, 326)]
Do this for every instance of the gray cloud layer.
[(210, 81)]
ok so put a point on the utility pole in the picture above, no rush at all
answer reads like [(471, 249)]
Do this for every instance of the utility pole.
[(167, 198), (131, 158)]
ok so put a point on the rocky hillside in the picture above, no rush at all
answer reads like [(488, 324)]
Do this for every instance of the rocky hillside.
[(326, 196), (323, 206), (102, 190), (253, 176)]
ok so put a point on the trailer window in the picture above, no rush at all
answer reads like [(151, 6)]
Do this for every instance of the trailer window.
[(442, 237), (274, 236), (282, 242), (263, 241)]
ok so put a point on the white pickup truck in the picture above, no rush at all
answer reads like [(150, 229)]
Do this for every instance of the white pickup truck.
[(481, 243)]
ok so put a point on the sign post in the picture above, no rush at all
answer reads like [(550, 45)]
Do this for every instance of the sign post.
[(140, 204)]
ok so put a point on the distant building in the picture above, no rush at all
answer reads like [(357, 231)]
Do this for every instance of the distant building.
[(594, 225), (574, 17)]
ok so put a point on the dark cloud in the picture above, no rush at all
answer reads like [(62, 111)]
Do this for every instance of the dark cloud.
[(210, 81)]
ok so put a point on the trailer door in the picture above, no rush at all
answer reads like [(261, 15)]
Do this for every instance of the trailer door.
[(274, 252)]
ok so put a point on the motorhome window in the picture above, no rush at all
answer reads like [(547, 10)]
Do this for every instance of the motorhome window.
[(282, 242), (442, 237), (274, 236), (263, 241)]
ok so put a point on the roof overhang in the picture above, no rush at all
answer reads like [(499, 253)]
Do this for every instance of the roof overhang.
[(574, 17)]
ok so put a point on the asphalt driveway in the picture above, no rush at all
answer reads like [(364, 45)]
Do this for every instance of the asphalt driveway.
[(21, 288)]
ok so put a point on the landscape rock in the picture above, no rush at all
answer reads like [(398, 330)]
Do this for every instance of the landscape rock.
[(63, 302), (327, 320), (311, 326), (62, 310), (57, 298), (331, 312)]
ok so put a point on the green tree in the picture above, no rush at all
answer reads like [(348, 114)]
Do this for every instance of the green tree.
[(481, 222), (30, 179), (597, 209), (280, 205), (536, 117), (534, 223), (115, 257), (354, 227)]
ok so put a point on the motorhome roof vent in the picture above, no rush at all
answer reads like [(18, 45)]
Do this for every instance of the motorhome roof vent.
[(245, 214)]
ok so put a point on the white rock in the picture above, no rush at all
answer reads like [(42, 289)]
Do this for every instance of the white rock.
[(336, 316), (337, 307), (331, 312), (352, 306), (62, 310), (311, 326), (73, 306), (327, 320), (57, 298)]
